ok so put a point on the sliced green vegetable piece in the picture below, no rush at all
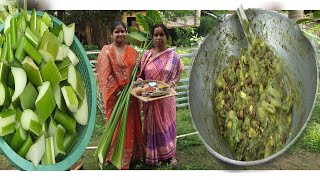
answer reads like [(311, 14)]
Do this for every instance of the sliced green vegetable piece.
[(4, 52), (28, 97), (65, 120), (49, 46), (10, 56), (70, 98), (32, 70), (33, 20), (18, 118), (52, 127), (13, 29), (50, 72), (36, 151), (59, 98), (82, 114), (26, 117), (32, 52), (21, 24), (20, 54), (58, 32), (20, 81), (58, 141), (25, 146), (68, 31), (3, 72), (75, 80), (45, 102), (69, 141), (7, 122), (5, 98), (62, 52), (63, 67), (6, 29), (73, 58), (32, 37), (18, 139), (49, 155), (46, 19)]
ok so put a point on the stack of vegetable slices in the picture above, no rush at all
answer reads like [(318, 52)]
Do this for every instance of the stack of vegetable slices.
[(42, 95)]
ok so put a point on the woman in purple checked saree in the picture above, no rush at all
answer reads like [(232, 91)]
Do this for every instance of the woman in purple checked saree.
[(162, 64)]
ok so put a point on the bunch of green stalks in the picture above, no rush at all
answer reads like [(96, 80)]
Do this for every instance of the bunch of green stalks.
[(119, 117)]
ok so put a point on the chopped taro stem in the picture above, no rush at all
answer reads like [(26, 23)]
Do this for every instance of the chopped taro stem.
[(68, 31), (45, 102), (20, 81), (70, 98), (75, 80), (36, 151), (32, 70), (82, 114)]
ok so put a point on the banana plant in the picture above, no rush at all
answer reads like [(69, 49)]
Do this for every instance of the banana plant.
[(141, 39), (312, 19), (312, 33)]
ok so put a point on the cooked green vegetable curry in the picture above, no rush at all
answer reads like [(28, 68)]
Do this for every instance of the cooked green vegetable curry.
[(254, 103)]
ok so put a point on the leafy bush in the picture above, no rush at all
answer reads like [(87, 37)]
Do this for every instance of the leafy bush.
[(206, 24), (186, 37), (90, 48), (311, 138)]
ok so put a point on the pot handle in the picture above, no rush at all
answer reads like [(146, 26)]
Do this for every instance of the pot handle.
[(246, 26)]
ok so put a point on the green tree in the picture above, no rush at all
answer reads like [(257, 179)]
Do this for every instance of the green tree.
[(91, 26), (141, 39)]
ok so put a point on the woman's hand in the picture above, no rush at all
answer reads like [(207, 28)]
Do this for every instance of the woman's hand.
[(172, 84), (139, 79), (138, 63)]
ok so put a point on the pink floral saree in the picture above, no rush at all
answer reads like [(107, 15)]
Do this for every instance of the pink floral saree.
[(160, 115)]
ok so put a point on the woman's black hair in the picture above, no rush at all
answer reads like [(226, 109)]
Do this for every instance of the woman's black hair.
[(164, 27), (116, 23)]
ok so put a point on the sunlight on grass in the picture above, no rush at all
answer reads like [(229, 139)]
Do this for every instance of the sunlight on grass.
[(184, 122)]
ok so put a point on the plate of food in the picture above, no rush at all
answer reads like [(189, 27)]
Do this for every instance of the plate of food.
[(149, 90)]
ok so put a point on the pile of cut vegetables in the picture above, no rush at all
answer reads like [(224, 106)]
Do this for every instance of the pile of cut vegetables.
[(254, 102), (42, 95)]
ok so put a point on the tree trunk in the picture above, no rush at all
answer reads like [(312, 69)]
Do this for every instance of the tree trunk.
[(60, 15), (296, 14), (97, 30), (197, 18), (103, 35), (88, 32)]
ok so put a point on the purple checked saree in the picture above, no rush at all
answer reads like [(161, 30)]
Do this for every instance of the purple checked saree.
[(160, 115)]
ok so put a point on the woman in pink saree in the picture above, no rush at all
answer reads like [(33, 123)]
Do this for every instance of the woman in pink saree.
[(114, 65), (162, 64)]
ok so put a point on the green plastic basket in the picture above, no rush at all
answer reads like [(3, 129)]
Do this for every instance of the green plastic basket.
[(84, 132)]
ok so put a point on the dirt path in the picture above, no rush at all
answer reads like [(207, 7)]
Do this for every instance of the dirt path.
[(296, 161)]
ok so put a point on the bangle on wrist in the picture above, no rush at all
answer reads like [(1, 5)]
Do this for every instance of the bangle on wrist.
[(173, 83)]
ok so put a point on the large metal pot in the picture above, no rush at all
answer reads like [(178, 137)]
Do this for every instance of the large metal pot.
[(226, 39)]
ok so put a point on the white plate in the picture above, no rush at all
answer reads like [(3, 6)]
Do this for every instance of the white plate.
[(153, 84)]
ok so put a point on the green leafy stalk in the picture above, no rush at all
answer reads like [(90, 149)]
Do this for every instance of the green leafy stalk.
[(105, 141), (118, 111), (119, 147)]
